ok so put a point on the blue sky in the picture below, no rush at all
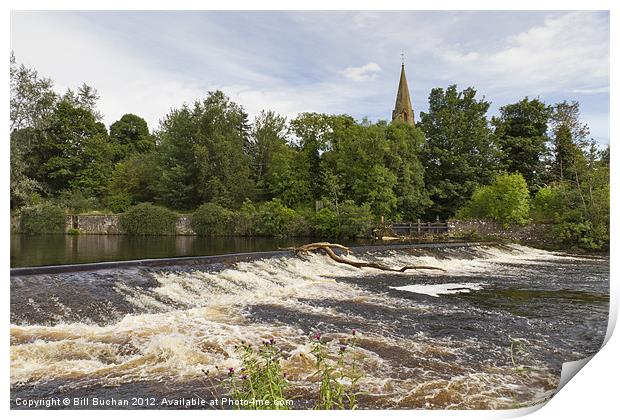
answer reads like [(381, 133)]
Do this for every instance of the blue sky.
[(334, 62)]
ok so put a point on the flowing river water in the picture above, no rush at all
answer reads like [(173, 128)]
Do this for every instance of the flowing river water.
[(492, 331)]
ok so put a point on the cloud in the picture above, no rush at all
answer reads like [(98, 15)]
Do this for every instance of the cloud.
[(363, 73), (290, 62), (565, 52)]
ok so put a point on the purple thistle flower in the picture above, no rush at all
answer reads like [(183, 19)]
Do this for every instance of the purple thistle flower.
[(317, 335), (231, 371), (353, 331), (243, 377), (343, 348)]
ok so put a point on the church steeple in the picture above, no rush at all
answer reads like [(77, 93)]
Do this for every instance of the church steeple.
[(403, 110)]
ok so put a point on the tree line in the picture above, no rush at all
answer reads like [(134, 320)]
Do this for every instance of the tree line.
[(533, 161)]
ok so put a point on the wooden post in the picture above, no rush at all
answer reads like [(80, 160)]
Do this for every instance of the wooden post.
[(419, 228)]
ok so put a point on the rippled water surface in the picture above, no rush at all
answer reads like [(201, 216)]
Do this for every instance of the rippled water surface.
[(428, 339)]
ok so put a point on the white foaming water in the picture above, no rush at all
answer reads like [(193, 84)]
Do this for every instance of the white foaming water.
[(440, 289), (193, 320)]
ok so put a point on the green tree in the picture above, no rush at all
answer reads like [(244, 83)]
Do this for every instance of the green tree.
[(569, 139), (506, 200), (312, 133), (32, 101), (268, 138), (32, 98), (460, 154), (136, 176), (521, 134), (131, 135), (204, 154), (74, 152), (85, 98)]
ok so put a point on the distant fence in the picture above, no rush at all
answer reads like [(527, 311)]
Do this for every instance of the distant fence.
[(419, 228)]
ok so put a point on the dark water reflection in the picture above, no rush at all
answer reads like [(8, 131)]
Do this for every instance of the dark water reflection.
[(27, 251)]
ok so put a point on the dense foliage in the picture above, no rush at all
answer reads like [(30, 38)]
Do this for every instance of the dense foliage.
[(316, 174), (43, 218), (147, 219), (505, 200), (211, 219)]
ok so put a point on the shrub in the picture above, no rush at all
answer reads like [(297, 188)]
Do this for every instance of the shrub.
[(76, 201), (74, 232), (339, 378), (547, 204), (583, 234), (506, 201), (275, 219), (147, 219), (245, 219), (119, 202), (355, 221), (211, 219), (325, 223), (44, 218), (261, 378)]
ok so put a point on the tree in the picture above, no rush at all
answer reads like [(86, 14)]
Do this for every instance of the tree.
[(569, 139), (74, 151), (312, 138), (268, 139), (505, 200), (32, 97), (131, 135), (32, 100), (85, 98), (460, 154), (204, 154), (135, 175), (521, 134)]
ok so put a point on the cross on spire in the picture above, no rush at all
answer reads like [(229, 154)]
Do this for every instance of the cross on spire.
[(402, 58)]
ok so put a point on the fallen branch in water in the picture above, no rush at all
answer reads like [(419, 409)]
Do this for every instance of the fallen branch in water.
[(327, 247)]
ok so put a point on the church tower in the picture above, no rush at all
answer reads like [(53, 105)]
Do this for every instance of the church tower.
[(403, 110)]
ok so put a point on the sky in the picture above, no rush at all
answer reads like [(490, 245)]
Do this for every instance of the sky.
[(147, 63)]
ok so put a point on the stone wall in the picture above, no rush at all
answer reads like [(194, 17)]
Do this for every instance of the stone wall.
[(532, 233), (105, 224), (184, 225), (98, 224), (110, 225)]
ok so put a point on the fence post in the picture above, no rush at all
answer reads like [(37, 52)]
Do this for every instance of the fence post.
[(419, 229)]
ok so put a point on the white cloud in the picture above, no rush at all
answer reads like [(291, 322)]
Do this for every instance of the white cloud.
[(368, 71), (567, 52)]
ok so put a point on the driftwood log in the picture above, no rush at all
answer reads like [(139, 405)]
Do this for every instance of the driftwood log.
[(327, 247)]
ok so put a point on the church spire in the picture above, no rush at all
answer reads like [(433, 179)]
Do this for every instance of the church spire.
[(403, 110)]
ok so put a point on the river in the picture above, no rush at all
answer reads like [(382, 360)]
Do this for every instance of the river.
[(490, 332)]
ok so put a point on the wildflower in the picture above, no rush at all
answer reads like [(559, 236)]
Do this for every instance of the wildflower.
[(243, 377), (353, 331), (231, 371), (242, 369), (343, 348), (317, 335), (272, 341)]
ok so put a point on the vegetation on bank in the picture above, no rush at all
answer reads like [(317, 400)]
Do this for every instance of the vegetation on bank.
[(262, 382), (325, 175)]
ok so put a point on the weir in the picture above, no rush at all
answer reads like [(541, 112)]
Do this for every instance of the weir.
[(440, 339), (214, 259)]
